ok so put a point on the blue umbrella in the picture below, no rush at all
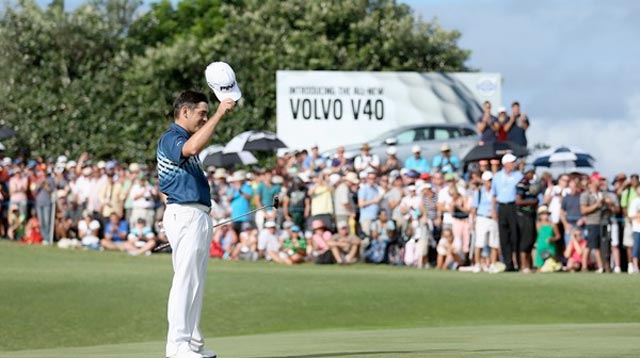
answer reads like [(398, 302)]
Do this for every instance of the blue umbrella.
[(564, 157)]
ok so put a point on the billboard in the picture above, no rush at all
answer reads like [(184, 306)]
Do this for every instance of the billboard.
[(331, 108)]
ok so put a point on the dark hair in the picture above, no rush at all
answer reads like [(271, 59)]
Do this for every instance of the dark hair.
[(190, 99), (516, 103), (141, 221)]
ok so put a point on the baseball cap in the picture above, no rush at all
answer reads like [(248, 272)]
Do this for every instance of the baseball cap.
[(487, 175), (595, 176), (508, 158), (529, 168), (424, 186), (449, 177), (270, 224), (342, 224), (392, 150), (222, 81), (413, 174), (445, 148), (295, 228), (543, 210), (411, 188), (502, 109), (415, 149), (425, 176)]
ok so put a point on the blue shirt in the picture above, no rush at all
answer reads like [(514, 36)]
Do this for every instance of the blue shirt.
[(267, 193), (239, 204), (366, 193), (420, 165), (446, 165), (180, 178), (483, 202), (504, 186), (123, 228)]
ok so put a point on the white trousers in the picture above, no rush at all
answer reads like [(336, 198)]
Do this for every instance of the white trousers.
[(189, 230)]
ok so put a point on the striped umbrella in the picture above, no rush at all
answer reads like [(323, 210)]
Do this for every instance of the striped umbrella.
[(564, 157)]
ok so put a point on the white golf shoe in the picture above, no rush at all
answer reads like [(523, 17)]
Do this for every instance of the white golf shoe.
[(205, 353), (191, 354)]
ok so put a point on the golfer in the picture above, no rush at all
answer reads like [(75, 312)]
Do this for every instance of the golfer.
[(186, 219)]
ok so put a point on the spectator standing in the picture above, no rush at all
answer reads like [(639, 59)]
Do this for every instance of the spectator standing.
[(339, 161), (486, 225), (570, 213), (239, 194), (18, 187), (527, 203), (503, 125), (591, 205), (609, 224), (634, 215), (445, 162), (369, 197), (296, 204), (127, 184), (503, 189), (314, 162), (321, 194), (44, 187), (627, 193), (366, 161), (486, 124), (267, 188), (111, 198), (520, 123), (417, 162), (392, 162), (459, 211), (343, 200), (143, 195)]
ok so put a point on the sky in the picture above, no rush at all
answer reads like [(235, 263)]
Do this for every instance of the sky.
[(574, 65)]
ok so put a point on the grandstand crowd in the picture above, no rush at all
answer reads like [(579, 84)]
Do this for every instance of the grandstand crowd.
[(498, 215)]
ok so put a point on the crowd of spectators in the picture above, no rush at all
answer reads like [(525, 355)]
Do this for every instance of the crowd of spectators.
[(500, 215)]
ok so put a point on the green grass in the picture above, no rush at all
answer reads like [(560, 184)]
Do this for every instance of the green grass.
[(55, 298)]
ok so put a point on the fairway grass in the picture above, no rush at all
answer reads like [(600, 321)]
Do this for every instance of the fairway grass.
[(55, 299)]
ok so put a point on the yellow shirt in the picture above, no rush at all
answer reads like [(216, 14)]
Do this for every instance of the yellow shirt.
[(321, 200)]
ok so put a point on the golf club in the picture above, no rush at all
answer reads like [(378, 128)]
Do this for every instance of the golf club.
[(275, 205)]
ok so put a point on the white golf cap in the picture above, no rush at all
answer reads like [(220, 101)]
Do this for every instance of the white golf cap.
[(508, 158), (222, 81), (392, 150), (487, 175), (425, 186), (415, 149), (269, 224), (502, 109)]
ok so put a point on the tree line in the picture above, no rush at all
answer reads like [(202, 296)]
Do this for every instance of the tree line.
[(102, 77)]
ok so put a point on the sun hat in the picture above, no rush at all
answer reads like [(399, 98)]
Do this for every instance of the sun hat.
[(220, 173), (487, 175), (508, 158), (352, 178), (445, 148), (543, 210), (222, 81), (365, 146), (237, 176)]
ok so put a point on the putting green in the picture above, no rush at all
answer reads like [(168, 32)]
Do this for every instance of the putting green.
[(587, 340), (53, 300)]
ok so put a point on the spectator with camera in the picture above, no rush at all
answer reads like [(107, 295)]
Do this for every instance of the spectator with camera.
[(592, 202)]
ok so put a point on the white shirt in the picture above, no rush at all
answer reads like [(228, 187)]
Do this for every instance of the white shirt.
[(445, 198), (361, 162), (632, 211), (555, 205)]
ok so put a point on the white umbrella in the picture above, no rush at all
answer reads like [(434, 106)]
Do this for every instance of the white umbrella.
[(214, 155), (254, 141)]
